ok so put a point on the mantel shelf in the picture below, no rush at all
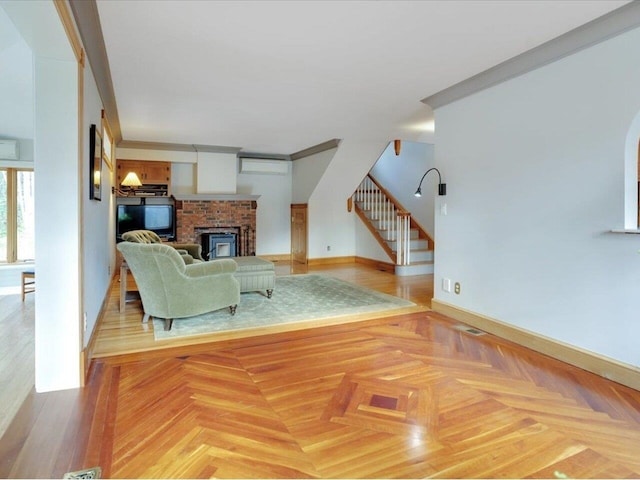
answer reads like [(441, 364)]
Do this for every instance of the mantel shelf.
[(216, 196)]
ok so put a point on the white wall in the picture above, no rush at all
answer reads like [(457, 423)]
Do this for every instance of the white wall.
[(307, 172), (183, 178), (273, 225), (330, 224), (57, 210), (98, 237), (535, 173), (401, 174), (216, 173)]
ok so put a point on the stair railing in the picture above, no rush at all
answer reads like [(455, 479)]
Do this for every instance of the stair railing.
[(403, 250), (373, 203)]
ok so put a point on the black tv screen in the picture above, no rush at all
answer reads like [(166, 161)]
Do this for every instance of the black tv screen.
[(157, 218)]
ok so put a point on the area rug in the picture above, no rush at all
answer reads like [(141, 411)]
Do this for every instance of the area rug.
[(296, 298)]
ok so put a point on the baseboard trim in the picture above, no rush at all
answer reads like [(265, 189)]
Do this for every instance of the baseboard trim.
[(606, 367), (284, 257), (87, 352), (331, 260), (377, 264)]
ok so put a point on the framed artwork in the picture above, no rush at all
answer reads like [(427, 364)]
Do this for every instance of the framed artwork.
[(95, 167)]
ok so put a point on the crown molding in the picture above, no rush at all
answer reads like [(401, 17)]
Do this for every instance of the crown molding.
[(176, 147), (603, 28), (216, 149), (321, 147), (85, 13), (264, 156)]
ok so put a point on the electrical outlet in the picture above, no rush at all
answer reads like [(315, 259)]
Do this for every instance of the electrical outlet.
[(328, 248), (456, 288), (85, 320)]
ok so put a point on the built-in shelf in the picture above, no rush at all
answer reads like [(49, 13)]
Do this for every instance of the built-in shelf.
[(216, 196)]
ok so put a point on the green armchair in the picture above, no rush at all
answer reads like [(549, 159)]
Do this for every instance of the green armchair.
[(170, 289), (190, 252)]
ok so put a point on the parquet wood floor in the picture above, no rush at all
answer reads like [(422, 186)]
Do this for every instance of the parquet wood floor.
[(407, 396)]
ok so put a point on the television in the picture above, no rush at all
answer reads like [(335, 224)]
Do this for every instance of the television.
[(157, 218)]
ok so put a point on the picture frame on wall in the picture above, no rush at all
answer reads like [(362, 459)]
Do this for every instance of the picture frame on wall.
[(95, 166)]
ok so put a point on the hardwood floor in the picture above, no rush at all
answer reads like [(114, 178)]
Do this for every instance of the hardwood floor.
[(413, 395), (17, 352), (123, 332)]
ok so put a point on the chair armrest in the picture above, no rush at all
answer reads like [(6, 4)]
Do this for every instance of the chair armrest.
[(223, 265), (188, 259), (193, 249)]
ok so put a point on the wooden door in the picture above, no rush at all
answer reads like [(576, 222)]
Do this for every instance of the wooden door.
[(299, 233)]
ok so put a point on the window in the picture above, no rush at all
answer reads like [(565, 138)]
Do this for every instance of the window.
[(17, 219)]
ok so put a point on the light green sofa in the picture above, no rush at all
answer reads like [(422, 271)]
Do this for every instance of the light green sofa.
[(170, 289), (190, 252)]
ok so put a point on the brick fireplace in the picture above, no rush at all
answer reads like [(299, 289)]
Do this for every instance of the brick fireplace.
[(197, 219)]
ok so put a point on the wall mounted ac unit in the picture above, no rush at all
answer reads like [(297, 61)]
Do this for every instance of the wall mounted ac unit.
[(264, 166), (9, 150)]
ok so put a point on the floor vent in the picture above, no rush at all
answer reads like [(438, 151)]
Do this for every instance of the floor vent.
[(470, 330), (88, 473)]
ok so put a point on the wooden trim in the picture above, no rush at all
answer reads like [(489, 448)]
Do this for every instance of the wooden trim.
[(81, 266), (592, 362), (377, 264), (12, 215), (70, 29), (87, 352), (331, 260)]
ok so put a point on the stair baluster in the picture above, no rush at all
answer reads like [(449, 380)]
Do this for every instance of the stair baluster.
[(389, 222)]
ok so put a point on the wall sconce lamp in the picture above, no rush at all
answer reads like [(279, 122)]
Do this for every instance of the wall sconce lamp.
[(131, 181), (442, 187)]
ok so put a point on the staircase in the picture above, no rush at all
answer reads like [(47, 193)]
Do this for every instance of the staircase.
[(405, 242)]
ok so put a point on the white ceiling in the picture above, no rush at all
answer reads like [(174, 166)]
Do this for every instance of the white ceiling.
[(281, 76)]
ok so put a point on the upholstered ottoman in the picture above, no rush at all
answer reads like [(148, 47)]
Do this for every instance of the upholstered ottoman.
[(255, 274)]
